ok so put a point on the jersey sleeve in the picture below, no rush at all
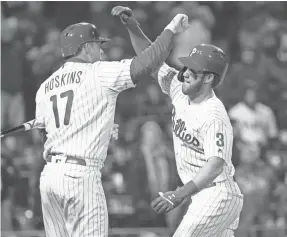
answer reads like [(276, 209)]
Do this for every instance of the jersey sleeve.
[(115, 75), (218, 140), (167, 80)]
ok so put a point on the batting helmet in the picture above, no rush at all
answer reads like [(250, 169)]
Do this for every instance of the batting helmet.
[(77, 34), (206, 58)]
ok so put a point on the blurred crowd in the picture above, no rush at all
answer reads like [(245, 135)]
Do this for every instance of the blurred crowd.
[(141, 162)]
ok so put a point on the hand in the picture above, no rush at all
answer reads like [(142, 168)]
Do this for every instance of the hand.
[(126, 15), (178, 24), (115, 132), (166, 202)]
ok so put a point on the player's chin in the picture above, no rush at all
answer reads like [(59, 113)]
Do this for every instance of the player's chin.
[(185, 88)]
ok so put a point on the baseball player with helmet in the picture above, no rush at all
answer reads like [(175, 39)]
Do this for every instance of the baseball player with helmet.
[(203, 139), (77, 104)]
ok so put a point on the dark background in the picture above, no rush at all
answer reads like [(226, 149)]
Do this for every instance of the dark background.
[(253, 34)]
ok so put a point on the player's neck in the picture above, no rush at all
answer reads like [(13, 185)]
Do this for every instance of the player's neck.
[(76, 60), (208, 93), (79, 59), (251, 106)]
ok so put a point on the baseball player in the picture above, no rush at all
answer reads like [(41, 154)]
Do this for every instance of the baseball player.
[(203, 138), (255, 121), (77, 103)]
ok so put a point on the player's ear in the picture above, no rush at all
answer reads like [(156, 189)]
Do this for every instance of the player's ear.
[(209, 78), (86, 47), (82, 49)]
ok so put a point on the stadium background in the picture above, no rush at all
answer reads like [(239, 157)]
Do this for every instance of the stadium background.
[(254, 35)]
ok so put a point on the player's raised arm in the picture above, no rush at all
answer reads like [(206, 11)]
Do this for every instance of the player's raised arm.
[(118, 76), (152, 57), (141, 42)]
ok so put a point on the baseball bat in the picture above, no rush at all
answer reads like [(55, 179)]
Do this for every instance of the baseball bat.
[(32, 124)]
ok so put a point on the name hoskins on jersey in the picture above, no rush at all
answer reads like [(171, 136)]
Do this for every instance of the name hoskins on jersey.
[(78, 101)]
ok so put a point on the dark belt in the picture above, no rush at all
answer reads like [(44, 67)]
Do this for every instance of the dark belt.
[(214, 184), (69, 159)]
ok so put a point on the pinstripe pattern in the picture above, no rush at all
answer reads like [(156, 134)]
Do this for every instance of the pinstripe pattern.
[(73, 193), (197, 131), (73, 198), (200, 132), (213, 212), (92, 110)]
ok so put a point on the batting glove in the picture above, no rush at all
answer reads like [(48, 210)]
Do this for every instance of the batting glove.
[(126, 15), (178, 24), (166, 202)]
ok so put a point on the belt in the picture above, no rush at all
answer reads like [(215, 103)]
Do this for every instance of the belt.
[(69, 159), (214, 183)]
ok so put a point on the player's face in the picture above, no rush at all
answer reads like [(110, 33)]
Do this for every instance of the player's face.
[(250, 97), (193, 82)]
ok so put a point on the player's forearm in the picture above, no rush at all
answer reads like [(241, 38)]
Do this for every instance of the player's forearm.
[(204, 177), (139, 40), (151, 58)]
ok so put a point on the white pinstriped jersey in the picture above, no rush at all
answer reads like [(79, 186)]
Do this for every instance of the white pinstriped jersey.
[(200, 131), (78, 104)]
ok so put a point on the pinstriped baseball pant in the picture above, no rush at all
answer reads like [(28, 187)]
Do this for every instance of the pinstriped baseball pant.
[(73, 201), (213, 212)]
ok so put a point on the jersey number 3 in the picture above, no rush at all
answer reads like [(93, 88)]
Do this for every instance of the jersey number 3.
[(220, 140), (70, 96)]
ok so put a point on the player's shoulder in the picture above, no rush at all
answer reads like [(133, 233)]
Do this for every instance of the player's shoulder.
[(215, 106), (40, 91), (264, 108), (111, 69), (110, 64), (41, 87), (215, 111), (168, 71)]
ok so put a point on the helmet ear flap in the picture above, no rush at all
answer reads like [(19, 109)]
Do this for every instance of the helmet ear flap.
[(180, 74)]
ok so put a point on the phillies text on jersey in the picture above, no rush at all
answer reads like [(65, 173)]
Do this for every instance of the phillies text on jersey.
[(202, 131)]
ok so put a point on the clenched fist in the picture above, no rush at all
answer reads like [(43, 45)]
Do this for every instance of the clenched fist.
[(178, 24), (126, 15)]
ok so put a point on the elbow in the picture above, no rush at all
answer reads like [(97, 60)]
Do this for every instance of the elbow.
[(219, 166), (140, 67), (219, 170), (216, 171), (216, 165)]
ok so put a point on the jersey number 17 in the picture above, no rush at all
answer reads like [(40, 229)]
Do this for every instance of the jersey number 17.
[(70, 97)]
